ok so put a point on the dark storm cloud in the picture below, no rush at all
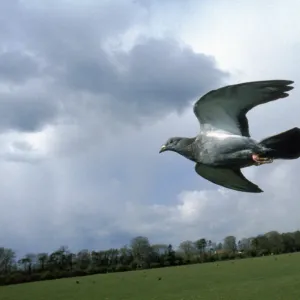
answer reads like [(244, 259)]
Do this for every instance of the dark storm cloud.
[(153, 76), (162, 72), (70, 43), (27, 115)]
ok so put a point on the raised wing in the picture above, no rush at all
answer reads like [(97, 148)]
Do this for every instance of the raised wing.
[(226, 108), (229, 178)]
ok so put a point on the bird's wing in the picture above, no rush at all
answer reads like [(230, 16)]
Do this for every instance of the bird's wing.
[(226, 108), (229, 178)]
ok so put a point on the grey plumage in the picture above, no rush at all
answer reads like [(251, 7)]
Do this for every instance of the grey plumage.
[(224, 144)]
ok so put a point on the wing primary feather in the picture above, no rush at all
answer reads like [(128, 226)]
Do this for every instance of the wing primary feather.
[(229, 178), (226, 108)]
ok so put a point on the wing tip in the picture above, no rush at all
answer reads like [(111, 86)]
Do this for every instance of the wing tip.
[(287, 84), (283, 81), (258, 190), (254, 190), (287, 81)]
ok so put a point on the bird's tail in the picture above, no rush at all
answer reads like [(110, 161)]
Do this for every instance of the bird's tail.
[(285, 145)]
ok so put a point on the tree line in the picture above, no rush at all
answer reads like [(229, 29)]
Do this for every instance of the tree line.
[(139, 254)]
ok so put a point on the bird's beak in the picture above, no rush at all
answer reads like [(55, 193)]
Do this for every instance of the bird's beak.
[(163, 148)]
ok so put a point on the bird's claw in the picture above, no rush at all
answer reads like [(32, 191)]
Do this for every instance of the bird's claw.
[(258, 160)]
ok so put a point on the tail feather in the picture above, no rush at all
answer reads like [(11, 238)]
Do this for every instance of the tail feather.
[(285, 145)]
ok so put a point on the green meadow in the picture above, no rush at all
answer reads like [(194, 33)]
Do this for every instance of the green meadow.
[(270, 277)]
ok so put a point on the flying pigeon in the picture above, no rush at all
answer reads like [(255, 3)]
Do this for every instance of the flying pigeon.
[(224, 145)]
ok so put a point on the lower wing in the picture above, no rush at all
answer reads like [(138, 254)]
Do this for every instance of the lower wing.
[(229, 178)]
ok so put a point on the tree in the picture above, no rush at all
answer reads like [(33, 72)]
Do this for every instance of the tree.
[(159, 252), (244, 245), (125, 256), (219, 246), (201, 245), (141, 251), (288, 241), (230, 244), (261, 245), (7, 260), (27, 262), (159, 249), (296, 235), (188, 249), (42, 258), (59, 259), (83, 259), (275, 242), (210, 245), (170, 255)]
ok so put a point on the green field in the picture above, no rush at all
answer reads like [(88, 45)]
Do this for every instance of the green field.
[(272, 277)]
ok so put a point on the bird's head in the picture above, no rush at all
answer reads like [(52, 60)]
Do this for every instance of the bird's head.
[(172, 144)]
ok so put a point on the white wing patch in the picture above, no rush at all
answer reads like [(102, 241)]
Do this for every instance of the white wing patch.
[(222, 135)]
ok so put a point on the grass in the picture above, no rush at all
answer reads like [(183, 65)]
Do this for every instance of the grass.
[(265, 278)]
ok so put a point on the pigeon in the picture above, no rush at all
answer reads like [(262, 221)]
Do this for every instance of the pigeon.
[(224, 145)]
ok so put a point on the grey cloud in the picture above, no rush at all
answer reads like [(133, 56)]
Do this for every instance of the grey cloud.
[(165, 72), (70, 56), (21, 152), (25, 114), (22, 146), (93, 74), (154, 76), (17, 67), (60, 29)]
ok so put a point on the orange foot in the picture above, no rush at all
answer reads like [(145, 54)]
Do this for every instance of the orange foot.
[(261, 160)]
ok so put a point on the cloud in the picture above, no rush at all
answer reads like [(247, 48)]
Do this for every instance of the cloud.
[(65, 55), (25, 115), (17, 67), (89, 92), (154, 76)]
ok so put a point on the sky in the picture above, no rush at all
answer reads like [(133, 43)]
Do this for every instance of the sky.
[(90, 90)]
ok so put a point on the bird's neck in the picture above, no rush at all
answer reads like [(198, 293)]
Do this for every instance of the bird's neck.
[(187, 149)]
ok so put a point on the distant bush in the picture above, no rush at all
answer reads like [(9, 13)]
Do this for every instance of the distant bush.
[(155, 265), (122, 268)]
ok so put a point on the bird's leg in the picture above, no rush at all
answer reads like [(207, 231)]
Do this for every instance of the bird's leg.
[(258, 160)]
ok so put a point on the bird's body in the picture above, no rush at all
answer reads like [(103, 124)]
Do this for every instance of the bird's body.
[(221, 149), (224, 145)]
